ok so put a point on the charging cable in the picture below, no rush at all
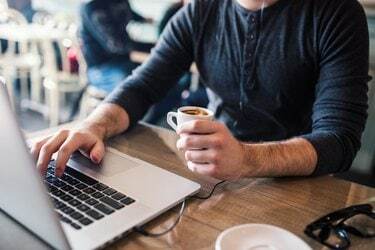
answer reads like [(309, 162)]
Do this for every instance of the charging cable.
[(143, 232)]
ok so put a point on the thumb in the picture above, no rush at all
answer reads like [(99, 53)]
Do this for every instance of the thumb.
[(97, 152)]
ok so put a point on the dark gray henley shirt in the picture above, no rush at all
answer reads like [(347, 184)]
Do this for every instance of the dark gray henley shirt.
[(297, 69)]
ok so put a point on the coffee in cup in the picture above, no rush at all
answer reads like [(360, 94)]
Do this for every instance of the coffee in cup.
[(188, 113)]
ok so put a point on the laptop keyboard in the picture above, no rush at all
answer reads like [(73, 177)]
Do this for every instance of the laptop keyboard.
[(80, 200)]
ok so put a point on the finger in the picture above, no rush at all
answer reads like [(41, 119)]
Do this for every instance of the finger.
[(48, 149), (203, 169), (199, 127), (72, 144), (202, 156), (97, 152), (193, 141), (35, 147)]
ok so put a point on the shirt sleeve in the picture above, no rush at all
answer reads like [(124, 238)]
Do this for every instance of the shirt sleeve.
[(340, 107), (171, 57)]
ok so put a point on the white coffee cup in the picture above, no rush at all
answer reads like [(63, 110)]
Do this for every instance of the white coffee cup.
[(188, 113)]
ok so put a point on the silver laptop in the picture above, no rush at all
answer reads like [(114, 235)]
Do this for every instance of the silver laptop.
[(88, 207)]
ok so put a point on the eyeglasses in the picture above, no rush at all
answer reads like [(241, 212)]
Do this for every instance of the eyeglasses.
[(333, 230)]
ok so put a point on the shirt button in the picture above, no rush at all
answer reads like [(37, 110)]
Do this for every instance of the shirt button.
[(252, 19), (251, 36)]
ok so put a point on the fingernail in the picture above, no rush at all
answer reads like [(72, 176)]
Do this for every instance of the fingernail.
[(94, 159)]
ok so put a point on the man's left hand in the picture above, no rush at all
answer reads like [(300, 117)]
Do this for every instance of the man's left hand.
[(210, 149)]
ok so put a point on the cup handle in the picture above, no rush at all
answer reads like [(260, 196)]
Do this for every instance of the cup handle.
[(170, 121)]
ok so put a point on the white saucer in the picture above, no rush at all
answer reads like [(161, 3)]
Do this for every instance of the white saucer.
[(259, 237)]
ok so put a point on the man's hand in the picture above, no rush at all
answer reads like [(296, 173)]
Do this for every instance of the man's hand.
[(210, 149), (107, 120), (66, 142)]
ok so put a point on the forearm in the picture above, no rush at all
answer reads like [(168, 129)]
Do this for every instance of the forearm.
[(294, 157), (107, 120)]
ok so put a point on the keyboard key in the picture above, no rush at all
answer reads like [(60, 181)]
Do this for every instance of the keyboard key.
[(84, 178), (60, 205), (127, 201), (111, 202), (76, 215), (67, 188), (92, 202), (75, 203), (83, 197), (89, 190), (66, 220), (83, 207), (94, 214), (52, 188), (85, 221), (75, 226), (51, 171), (66, 177), (97, 195), (58, 193), (66, 197), (75, 192), (51, 179), (109, 191), (67, 210), (81, 186), (100, 186), (72, 181), (104, 209), (118, 196), (58, 183)]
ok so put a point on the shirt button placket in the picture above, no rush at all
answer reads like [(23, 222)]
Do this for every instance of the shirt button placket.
[(251, 44)]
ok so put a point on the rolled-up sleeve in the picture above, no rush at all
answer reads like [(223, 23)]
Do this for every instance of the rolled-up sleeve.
[(151, 81), (340, 107)]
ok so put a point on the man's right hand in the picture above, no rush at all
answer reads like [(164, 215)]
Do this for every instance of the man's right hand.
[(86, 138)]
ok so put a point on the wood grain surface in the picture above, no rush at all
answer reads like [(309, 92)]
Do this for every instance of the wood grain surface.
[(290, 203)]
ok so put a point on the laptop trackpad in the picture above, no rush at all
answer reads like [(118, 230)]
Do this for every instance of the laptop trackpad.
[(113, 163)]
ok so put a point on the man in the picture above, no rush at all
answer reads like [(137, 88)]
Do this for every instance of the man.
[(106, 43), (289, 84)]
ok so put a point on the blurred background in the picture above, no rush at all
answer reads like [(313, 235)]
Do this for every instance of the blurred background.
[(62, 58)]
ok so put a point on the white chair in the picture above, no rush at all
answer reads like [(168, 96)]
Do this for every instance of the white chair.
[(21, 59), (3, 4), (60, 81)]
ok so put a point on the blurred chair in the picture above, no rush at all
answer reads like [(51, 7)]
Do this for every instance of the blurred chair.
[(43, 18), (3, 4), (19, 59), (69, 77)]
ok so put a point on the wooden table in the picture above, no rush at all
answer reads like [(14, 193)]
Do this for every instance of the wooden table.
[(290, 203)]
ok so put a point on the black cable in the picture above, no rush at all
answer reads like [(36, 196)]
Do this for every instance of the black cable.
[(149, 234), (210, 194), (142, 231)]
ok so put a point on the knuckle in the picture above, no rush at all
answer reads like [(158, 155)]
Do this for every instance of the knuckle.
[(38, 144), (189, 155), (46, 148), (215, 158), (76, 135), (64, 149), (196, 124), (217, 142), (64, 132), (188, 141), (214, 171)]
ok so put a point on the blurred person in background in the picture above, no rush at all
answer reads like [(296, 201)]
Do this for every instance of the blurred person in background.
[(106, 44), (23, 6)]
